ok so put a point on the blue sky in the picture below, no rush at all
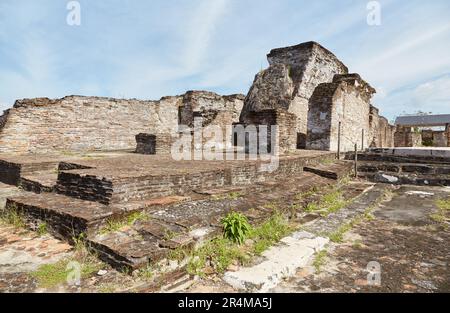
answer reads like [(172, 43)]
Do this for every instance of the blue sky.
[(149, 49)]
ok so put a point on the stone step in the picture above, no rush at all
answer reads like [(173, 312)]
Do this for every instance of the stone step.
[(143, 177), (336, 171), (393, 158), (280, 261), (406, 179), (405, 173), (12, 167), (65, 217), (39, 182)]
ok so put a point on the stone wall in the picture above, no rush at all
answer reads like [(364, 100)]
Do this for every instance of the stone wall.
[(81, 124), (343, 104), (286, 137), (406, 137), (440, 139), (448, 134), (384, 135), (291, 79), (3, 119), (210, 107)]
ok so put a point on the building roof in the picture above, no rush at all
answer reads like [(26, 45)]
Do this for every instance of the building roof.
[(423, 120)]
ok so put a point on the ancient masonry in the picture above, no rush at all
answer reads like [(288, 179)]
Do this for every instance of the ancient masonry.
[(306, 91), (420, 130), (85, 161)]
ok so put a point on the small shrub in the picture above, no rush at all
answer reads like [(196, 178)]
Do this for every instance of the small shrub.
[(236, 227), (270, 232), (117, 224), (42, 229), (12, 217), (443, 204), (320, 260)]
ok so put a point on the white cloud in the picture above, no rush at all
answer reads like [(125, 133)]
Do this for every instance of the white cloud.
[(430, 96)]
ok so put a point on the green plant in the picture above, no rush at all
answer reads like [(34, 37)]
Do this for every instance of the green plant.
[(441, 216), (219, 253), (329, 203), (270, 232), (147, 273), (12, 216), (113, 225), (236, 227), (51, 275), (42, 229), (320, 260), (443, 204), (338, 235)]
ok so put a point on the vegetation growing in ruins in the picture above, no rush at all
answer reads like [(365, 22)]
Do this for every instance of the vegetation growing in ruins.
[(229, 196), (443, 204), (269, 233), (42, 229), (52, 275), (117, 224), (338, 235), (329, 203), (218, 254), (236, 227), (13, 217), (147, 273), (443, 208), (320, 260)]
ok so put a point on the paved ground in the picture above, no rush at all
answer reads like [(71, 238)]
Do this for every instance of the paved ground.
[(411, 249)]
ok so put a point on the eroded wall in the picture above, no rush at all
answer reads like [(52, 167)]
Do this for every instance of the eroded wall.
[(291, 79), (82, 124), (340, 108)]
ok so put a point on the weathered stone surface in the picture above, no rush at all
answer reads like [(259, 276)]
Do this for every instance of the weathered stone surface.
[(380, 130), (284, 138), (335, 171), (398, 169), (65, 217), (93, 123), (343, 104), (140, 177), (281, 261), (290, 80), (406, 137)]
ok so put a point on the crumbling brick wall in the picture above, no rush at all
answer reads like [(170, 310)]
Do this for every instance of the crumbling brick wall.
[(340, 108), (82, 124), (440, 139), (385, 133), (3, 119), (448, 134), (76, 123), (290, 80), (215, 111), (406, 137), (286, 137)]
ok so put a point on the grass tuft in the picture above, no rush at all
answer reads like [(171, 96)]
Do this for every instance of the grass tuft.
[(13, 217), (320, 260), (117, 224)]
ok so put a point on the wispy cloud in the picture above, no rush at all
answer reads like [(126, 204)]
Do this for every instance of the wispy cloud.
[(199, 32)]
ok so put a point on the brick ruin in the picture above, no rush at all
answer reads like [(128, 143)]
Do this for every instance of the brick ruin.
[(82, 162), (310, 82), (306, 91), (83, 124), (423, 131)]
